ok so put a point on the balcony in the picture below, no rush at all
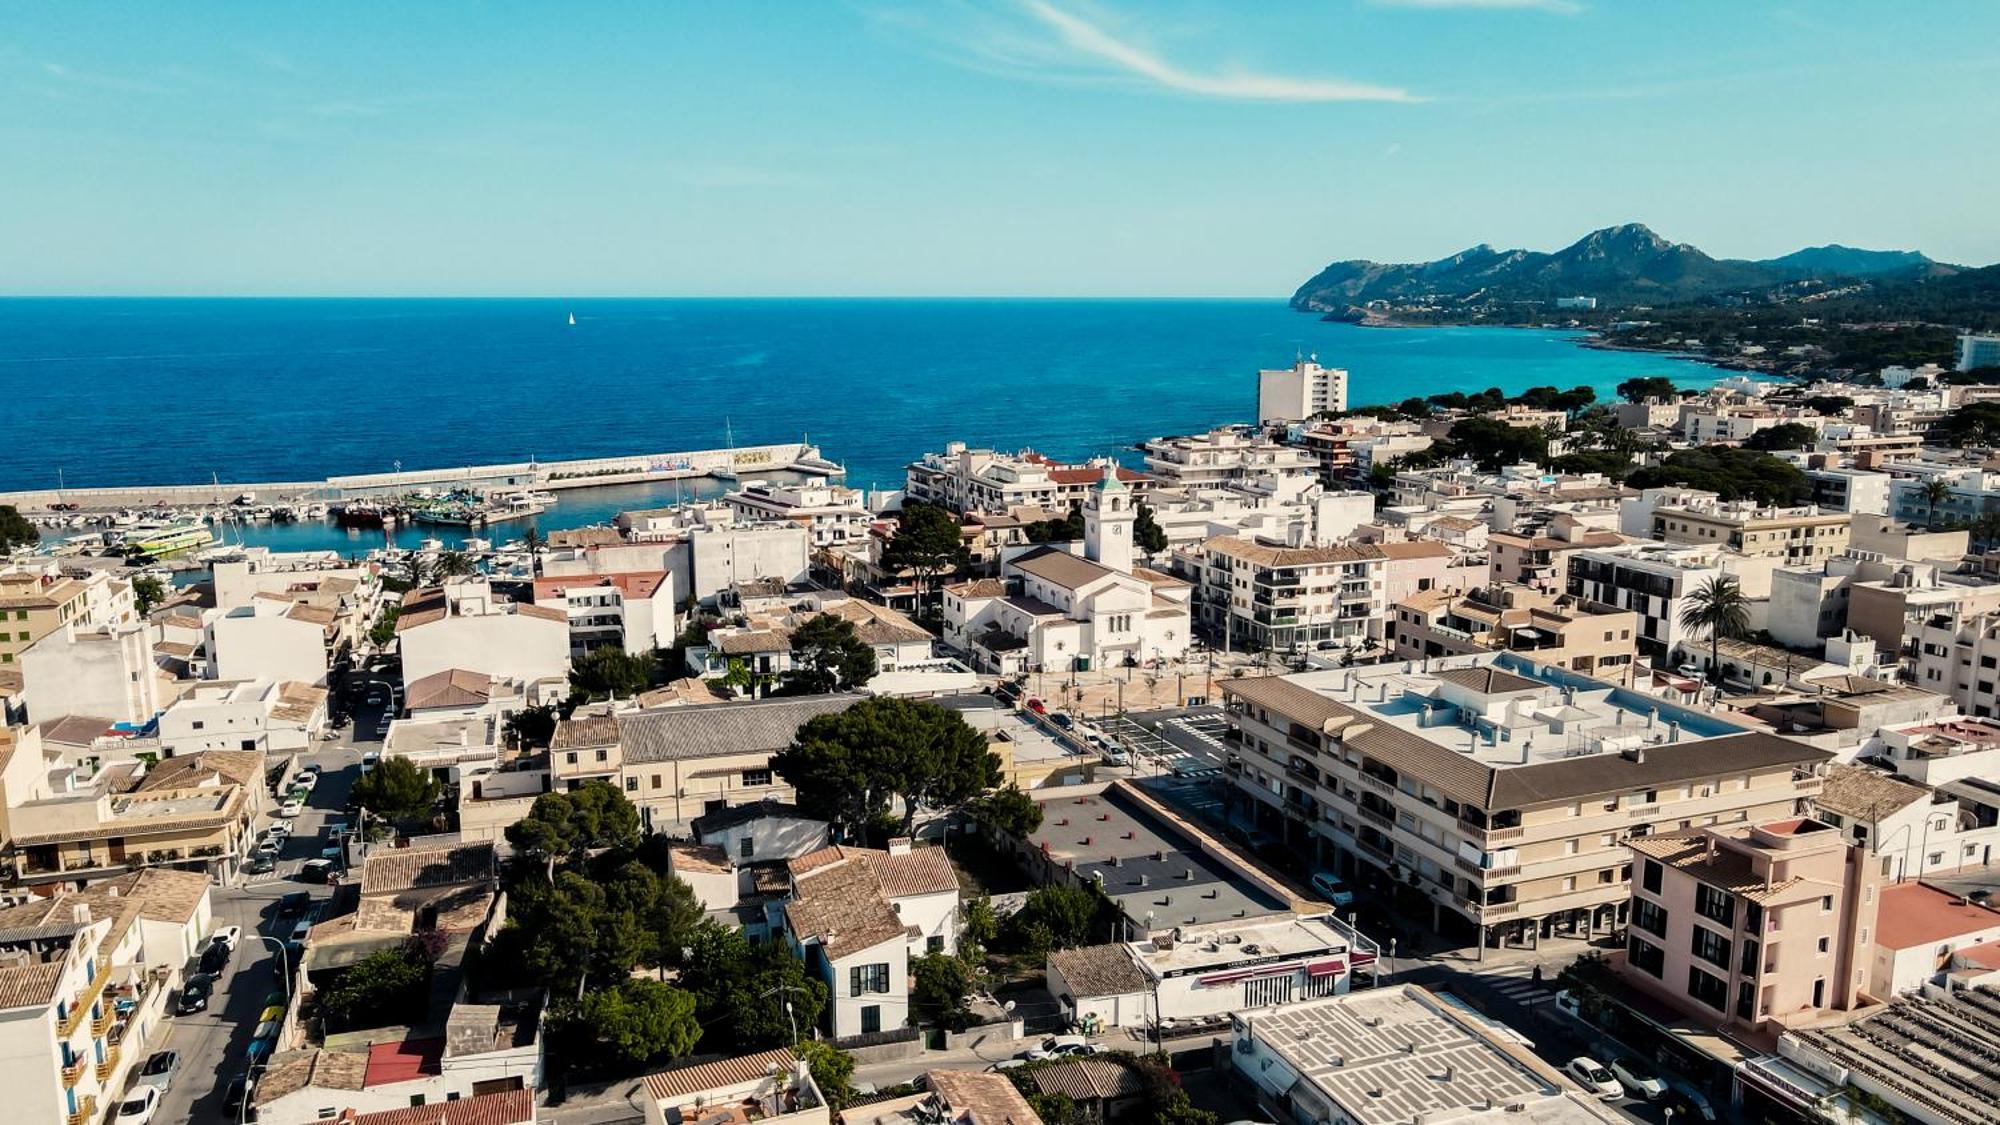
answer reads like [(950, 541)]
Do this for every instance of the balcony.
[(1378, 784), (102, 1022), (1470, 867), (1382, 850), (1382, 819), (110, 1063), (73, 1073), (86, 1112), (1502, 834), (80, 1007)]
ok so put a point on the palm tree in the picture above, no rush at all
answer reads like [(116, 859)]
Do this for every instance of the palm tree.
[(1935, 492), (454, 564), (1986, 530), (533, 540), (1719, 607)]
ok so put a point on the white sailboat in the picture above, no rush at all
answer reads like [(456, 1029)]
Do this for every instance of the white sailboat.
[(572, 320)]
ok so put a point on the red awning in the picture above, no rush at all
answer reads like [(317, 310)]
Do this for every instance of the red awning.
[(1327, 968)]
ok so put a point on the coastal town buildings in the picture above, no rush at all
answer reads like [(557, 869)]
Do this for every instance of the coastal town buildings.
[(1541, 560), (1976, 350), (1798, 536), (108, 671), (1298, 392), (38, 597), (465, 624), (1235, 455), (1257, 596), (264, 716), (833, 516), (272, 635), (1653, 581), (1593, 639), (967, 480), (633, 612), (857, 916), (1500, 788), (776, 1084)]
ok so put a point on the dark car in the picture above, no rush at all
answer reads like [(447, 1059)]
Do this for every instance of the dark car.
[(295, 902), (195, 994), (318, 871), (214, 959), (259, 865), (239, 1089)]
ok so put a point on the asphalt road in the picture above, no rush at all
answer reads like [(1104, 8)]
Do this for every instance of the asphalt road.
[(213, 1043)]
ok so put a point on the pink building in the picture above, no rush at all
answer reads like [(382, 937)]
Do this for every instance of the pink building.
[(1761, 927)]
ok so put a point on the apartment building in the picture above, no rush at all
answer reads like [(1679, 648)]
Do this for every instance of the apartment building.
[(982, 480), (465, 624), (272, 635), (1854, 491), (1916, 830), (1760, 926), (1253, 595), (35, 603), (84, 980), (631, 612), (1649, 579), (1797, 536), (833, 516), (1295, 393), (1541, 560), (1958, 656), (1594, 640), (107, 672), (1232, 455), (1499, 789)]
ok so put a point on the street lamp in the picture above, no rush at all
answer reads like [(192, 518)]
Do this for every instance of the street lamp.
[(284, 961)]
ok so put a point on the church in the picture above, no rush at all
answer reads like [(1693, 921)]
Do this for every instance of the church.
[(1066, 607)]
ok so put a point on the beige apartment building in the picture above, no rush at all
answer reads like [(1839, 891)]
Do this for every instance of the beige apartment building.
[(1763, 927), (34, 605), (1263, 596), (1498, 790), (1541, 561), (679, 762), (1799, 536), (1567, 632)]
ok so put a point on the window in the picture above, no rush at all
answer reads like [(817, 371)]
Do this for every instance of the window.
[(1643, 954), (747, 848), (569, 759), (603, 755), (1715, 904), (871, 1019), (1748, 965), (1649, 876), (1710, 947), (755, 778), (631, 785), (1825, 945), (1826, 904), (1650, 917), (934, 944), (862, 979), (1753, 917), (656, 781), (1710, 990), (1746, 1000), (198, 724), (1819, 993)]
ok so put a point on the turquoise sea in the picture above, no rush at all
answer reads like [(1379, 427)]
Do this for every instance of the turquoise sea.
[(116, 391)]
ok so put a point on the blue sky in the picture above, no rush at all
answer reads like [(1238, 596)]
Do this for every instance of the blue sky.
[(1058, 147)]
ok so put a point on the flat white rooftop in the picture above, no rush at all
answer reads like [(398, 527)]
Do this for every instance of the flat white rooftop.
[(1209, 948), (1502, 710)]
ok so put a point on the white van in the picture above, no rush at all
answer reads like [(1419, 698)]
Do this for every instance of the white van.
[(1329, 885)]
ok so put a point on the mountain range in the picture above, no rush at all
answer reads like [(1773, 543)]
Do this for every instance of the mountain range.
[(1620, 266)]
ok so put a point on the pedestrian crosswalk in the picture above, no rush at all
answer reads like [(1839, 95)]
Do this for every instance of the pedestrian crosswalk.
[(1517, 983)]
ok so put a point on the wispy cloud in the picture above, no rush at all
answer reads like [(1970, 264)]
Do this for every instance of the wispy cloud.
[(1090, 39), (1560, 7), (120, 84), (1042, 41)]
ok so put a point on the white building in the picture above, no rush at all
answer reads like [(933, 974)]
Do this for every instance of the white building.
[(857, 916), (1856, 491), (465, 625), (1261, 596), (1584, 303), (1654, 579), (832, 516), (708, 548), (1395, 1055), (1053, 610), (264, 715), (1233, 455), (777, 1083), (1298, 392), (1978, 351), (1917, 832), (271, 636), (633, 612), (107, 672)]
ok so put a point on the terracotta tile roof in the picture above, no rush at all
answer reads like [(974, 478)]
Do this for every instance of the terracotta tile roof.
[(403, 1061), (748, 727), (400, 869), (1488, 680), (708, 858), (453, 687), (1264, 554), (754, 641), (544, 612), (841, 906), (75, 730), (1060, 568), (311, 614), (512, 1107), (687, 689), (1414, 549), (1099, 970), (29, 986), (1865, 794), (920, 871), (686, 1081), (239, 767), (879, 625), (1916, 914), (981, 1099), (978, 588), (1156, 579), (1088, 1079), (298, 702), (1729, 870), (288, 1072), (585, 733)]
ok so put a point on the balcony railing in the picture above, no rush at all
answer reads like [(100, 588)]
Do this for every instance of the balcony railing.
[(1383, 850), (86, 1111), (1382, 819), (85, 997), (73, 1073), (1384, 786), (1470, 867)]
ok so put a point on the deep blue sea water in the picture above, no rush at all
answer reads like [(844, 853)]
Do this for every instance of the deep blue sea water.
[(119, 391)]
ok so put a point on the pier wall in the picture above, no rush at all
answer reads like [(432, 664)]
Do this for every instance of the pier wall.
[(578, 473)]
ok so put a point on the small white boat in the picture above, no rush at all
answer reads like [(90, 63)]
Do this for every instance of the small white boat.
[(476, 545), (572, 320)]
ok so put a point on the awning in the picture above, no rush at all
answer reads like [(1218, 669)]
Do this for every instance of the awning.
[(1329, 967)]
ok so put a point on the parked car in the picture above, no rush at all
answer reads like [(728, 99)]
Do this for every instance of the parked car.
[(140, 1107), (293, 902), (160, 1069), (1638, 1079), (240, 1088), (305, 926), (260, 865), (281, 830), (268, 849), (370, 757), (214, 959), (1062, 720), (227, 935), (1037, 707), (1592, 1076), (333, 852), (194, 995), (1008, 1064), (1117, 758), (291, 808), (1061, 1046), (267, 1030), (317, 871), (1336, 892)]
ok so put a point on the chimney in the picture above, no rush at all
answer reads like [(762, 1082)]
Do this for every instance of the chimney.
[(80, 911), (1674, 732), (899, 845)]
